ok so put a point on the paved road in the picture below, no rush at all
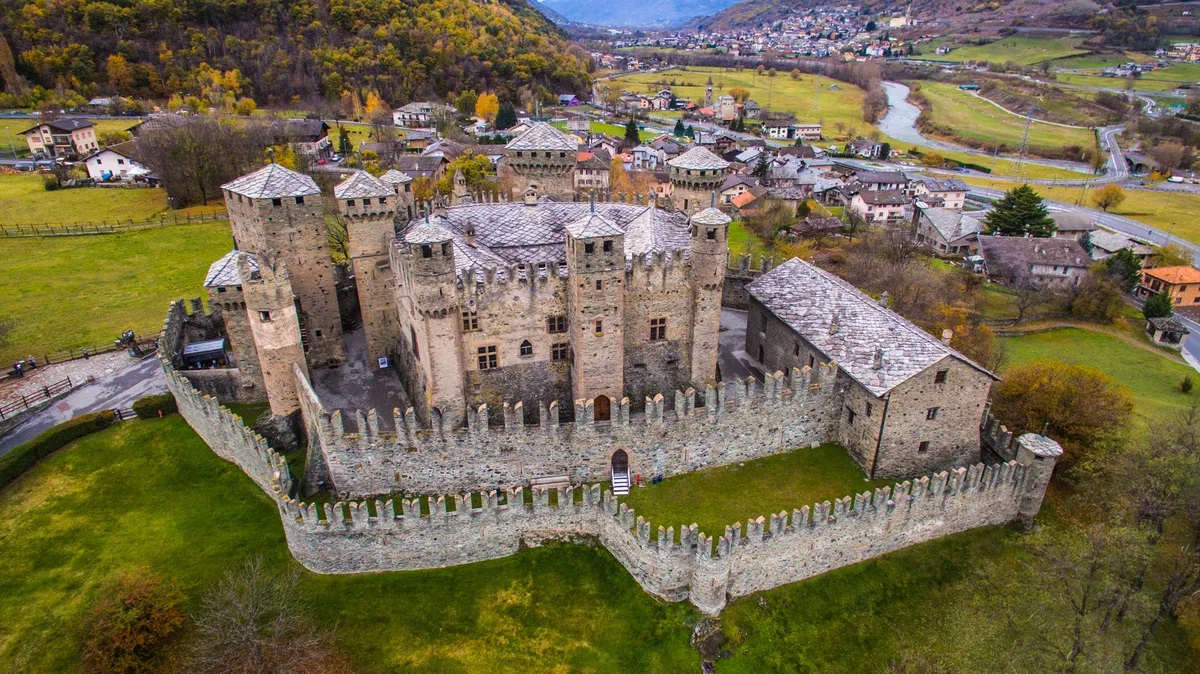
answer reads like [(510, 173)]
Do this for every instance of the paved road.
[(118, 390)]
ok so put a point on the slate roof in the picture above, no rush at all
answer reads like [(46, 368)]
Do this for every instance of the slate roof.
[(1070, 221), (67, 124), (273, 182), (884, 198), (947, 185), (542, 136), (1169, 324), (508, 233), (362, 185), (698, 158), (1111, 242), (711, 216), (428, 230), (849, 327), (951, 223), (881, 177), (224, 272), (424, 166), (394, 177), (1012, 257), (593, 225)]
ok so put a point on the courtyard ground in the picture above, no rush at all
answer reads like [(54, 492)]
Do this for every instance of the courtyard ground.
[(79, 291)]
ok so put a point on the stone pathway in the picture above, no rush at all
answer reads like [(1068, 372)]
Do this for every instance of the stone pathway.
[(78, 370)]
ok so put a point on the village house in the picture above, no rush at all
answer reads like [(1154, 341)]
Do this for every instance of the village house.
[(807, 131), (948, 231), (946, 193), (1167, 331), (875, 181), (422, 114), (880, 206), (911, 401), (1182, 284), (115, 162), (1106, 243), (1042, 262), (68, 138), (592, 171), (1072, 225)]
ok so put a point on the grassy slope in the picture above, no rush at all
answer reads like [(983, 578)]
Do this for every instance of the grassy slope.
[(69, 292), (716, 497), (151, 494), (1019, 49), (1153, 379), (1172, 212), (1159, 80), (973, 118)]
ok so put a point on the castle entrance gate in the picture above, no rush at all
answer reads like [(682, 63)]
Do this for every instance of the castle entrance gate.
[(620, 472)]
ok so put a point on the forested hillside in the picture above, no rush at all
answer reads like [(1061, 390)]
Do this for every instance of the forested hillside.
[(280, 51)]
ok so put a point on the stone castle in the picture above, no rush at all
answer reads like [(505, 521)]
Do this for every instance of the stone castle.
[(538, 345)]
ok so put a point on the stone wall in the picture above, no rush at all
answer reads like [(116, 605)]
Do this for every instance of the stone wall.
[(724, 424), (182, 326)]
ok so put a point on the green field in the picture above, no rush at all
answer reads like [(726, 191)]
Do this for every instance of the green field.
[(612, 130), (716, 497), (11, 128), (1101, 60), (70, 292), (24, 201), (809, 98), (971, 118), (1153, 379), (1159, 80), (1018, 49)]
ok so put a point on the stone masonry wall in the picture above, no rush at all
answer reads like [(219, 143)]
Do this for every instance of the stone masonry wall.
[(738, 421)]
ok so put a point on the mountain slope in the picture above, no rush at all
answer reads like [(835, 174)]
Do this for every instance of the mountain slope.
[(636, 13), (286, 50)]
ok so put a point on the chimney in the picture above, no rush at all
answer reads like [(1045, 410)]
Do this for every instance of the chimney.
[(470, 233), (884, 298), (834, 325), (531, 198), (877, 361), (947, 335)]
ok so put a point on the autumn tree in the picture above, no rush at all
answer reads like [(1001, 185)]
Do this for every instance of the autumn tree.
[(475, 170), (120, 74), (740, 94), (1078, 405), (1097, 297), (1108, 196), (378, 112), (136, 616), (245, 106), (1169, 255), (487, 106), (618, 178)]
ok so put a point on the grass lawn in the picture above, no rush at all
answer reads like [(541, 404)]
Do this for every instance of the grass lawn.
[(1171, 212), (1153, 379), (742, 241), (1101, 60), (152, 495), (11, 128), (1019, 49), (1000, 166), (70, 292), (613, 130), (809, 98), (716, 497), (24, 201), (972, 118)]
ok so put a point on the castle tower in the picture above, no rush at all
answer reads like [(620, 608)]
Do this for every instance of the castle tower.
[(402, 184), (461, 194), (368, 206), (226, 298), (709, 257), (429, 267), (277, 212), (596, 269), (275, 326), (708, 92), (543, 158), (695, 175)]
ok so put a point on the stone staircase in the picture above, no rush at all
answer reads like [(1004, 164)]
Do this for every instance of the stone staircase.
[(620, 482)]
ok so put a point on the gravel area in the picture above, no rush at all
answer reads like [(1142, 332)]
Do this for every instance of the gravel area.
[(78, 370)]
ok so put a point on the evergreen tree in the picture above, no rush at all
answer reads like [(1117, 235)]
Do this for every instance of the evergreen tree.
[(631, 132), (679, 130), (1124, 267), (690, 133), (885, 151), (1021, 212), (506, 118), (344, 147), (1158, 305)]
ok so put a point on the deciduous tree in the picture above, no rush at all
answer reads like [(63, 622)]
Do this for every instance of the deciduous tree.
[(1108, 196), (487, 106), (1170, 255), (136, 616)]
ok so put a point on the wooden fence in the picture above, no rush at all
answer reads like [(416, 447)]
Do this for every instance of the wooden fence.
[(107, 227), (15, 406), (142, 346)]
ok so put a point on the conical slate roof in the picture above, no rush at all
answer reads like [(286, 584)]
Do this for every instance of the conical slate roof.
[(362, 185), (428, 230), (711, 216), (593, 225), (698, 158), (224, 272), (273, 182), (542, 136)]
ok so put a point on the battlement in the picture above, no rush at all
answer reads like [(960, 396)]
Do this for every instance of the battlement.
[(996, 437)]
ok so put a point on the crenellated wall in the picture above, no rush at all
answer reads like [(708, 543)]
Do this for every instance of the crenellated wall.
[(771, 550), (726, 423)]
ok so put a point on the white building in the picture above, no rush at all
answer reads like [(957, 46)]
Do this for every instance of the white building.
[(114, 163)]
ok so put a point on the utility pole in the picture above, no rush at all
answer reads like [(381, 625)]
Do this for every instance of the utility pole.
[(1019, 171)]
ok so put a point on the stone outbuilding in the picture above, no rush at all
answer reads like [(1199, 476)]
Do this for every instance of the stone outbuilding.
[(1167, 331)]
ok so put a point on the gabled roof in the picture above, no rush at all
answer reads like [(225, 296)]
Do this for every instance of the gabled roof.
[(1013, 257), (542, 136), (950, 223), (362, 185), (874, 345), (940, 185), (698, 158), (394, 177), (224, 272), (884, 198), (1174, 275), (67, 124), (593, 225), (1070, 221), (273, 182), (881, 178)]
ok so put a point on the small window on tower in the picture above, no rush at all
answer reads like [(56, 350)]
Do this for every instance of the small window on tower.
[(487, 358), (560, 351), (940, 377), (712, 235), (599, 327), (349, 203), (608, 246), (556, 324), (796, 349), (526, 348), (923, 447), (426, 251), (470, 321), (599, 285), (931, 413), (658, 329), (589, 247), (446, 248), (299, 200), (277, 202), (264, 316)]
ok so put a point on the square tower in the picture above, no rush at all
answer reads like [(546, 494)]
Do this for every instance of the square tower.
[(368, 206), (596, 272)]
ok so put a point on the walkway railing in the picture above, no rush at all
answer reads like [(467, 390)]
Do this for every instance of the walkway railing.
[(20, 404)]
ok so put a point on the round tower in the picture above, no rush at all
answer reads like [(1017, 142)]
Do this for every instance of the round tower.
[(695, 175), (275, 327), (709, 256), (544, 158)]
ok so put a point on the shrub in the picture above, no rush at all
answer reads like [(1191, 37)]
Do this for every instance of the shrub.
[(50, 183), (135, 617), (150, 406), (1187, 384), (23, 457)]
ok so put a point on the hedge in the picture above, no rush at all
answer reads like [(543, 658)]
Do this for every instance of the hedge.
[(23, 457), (150, 406)]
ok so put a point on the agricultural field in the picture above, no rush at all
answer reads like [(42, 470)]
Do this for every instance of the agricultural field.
[(1100, 60), (1000, 166), (974, 119), (1159, 80), (77, 291), (1171, 212), (25, 201), (1018, 49), (810, 98), (358, 132), (613, 130)]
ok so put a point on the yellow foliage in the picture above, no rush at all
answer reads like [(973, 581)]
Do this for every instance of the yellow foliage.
[(487, 105)]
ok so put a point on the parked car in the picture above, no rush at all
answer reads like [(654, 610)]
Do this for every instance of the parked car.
[(23, 166)]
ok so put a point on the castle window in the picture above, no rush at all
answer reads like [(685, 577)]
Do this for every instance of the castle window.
[(277, 202), (470, 321), (487, 358), (868, 409), (560, 352), (220, 290), (599, 285), (849, 416), (518, 153), (426, 251), (349, 203), (299, 200), (608, 245), (556, 324), (264, 316), (316, 333), (562, 155), (940, 377), (812, 361), (413, 334), (658, 329), (923, 447), (712, 235), (796, 349), (589, 247), (762, 323), (526, 348), (931, 413), (446, 248), (599, 327)]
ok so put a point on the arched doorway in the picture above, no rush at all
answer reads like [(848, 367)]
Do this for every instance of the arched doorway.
[(620, 472), (602, 409)]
